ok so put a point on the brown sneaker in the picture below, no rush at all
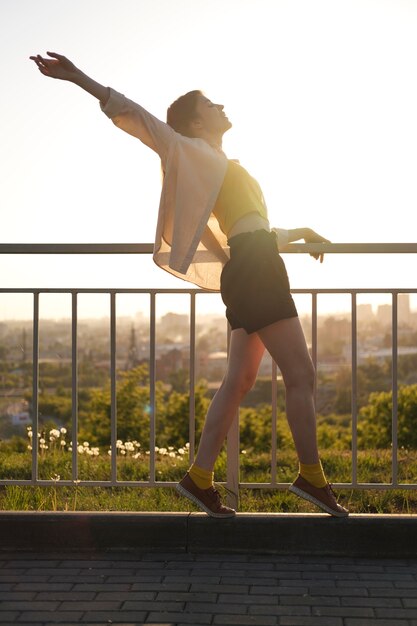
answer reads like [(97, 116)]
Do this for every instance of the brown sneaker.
[(207, 499), (323, 497)]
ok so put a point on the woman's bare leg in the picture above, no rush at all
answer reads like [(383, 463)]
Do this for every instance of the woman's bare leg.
[(245, 354), (286, 343)]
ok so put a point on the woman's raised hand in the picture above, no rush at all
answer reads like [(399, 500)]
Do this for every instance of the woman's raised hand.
[(56, 67)]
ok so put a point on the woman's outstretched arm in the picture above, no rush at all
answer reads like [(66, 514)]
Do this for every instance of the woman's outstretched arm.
[(124, 113), (63, 69)]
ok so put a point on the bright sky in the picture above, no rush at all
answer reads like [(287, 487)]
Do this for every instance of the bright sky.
[(323, 100)]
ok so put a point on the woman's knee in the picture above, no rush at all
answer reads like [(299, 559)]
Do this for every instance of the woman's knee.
[(301, 377), (242, 383)]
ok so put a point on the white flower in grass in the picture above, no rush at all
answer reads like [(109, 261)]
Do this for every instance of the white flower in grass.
[(86, 444), (147, 452), (187, 445), (129, 446), (70, 449), (119, 443), (172, 455), (54, 433), (156, 449), (63, 431), (137, 444), (137, 455), (81, 449), (29, 447), (95, 451), (51, 438), (243, 452), (42, 440), (30, 434), (181, 451), (123, 452), (56, 477), (109, 452), (163, 451), (170, 448), (63, 442), (89, 452)]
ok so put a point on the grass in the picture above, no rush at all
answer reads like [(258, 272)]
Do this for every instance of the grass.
[(373, 466)]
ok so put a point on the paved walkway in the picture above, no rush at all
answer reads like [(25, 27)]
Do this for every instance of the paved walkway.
[(178, 589)]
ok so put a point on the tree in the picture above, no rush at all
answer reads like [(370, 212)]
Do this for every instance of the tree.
[(375, 429)]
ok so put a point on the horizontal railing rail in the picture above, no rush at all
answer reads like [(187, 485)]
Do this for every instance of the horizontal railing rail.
[(233, 482), (147, 248)]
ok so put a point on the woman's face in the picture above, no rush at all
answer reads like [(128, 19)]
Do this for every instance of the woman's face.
[(211, 116)]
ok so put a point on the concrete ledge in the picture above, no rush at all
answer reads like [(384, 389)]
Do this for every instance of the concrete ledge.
[(276, 533)]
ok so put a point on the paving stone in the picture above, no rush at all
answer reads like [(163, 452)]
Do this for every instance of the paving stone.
[(278, 590), (53, 617), (28, 606), (329, 591), (374, 602), (216, 607), (166, 617), (90, 606), (222, 588), (311, 600), (97, 587), (8, 616), (246, 599), (123, 596), (46, 586), (189, 596), (107, 617), (153, 606), (277, 609), (17, 595), (343, 611), (351, 621), (230, 580), (63, 596), (311, 621), (244, 620), (395, 613), (162, 587)]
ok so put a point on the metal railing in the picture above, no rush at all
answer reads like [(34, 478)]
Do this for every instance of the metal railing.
[(233, 483)]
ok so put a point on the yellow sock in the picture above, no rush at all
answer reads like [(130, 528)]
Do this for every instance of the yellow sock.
[(202, 478), (313, 474)]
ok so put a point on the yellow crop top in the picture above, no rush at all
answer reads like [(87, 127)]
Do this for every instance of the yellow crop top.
[(239, 194)]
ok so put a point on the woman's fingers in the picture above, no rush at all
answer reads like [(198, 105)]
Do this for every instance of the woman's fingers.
[(55, 55)]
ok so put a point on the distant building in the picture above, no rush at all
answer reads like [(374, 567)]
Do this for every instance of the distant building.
[(364, 313), (404, 312), (384, 314)]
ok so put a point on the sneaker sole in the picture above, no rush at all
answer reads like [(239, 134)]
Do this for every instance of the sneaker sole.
[(306, 496), (201, 505)]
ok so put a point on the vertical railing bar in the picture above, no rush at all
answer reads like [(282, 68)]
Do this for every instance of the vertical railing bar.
[(152, 382), (74, 383), (232, 452), (394, 373), (191, 436), (274, 418), (113, 398), (354, 398), (314, 338), (35, 388)]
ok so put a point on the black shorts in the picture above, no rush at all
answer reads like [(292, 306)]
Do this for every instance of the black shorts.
[(254, 282)]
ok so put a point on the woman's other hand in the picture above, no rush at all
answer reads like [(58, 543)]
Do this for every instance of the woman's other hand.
[(57, 67), (311, 236)]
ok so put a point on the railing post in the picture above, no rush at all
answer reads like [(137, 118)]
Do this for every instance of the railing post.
[(232, 451)]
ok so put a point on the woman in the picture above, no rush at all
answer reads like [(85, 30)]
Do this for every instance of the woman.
[(213, 230)]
